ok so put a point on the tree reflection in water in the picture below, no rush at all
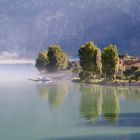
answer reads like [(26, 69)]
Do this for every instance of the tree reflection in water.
[(111, 104), (55, 94), (42, 90), (91, 102), (130, 93), (97, 100)]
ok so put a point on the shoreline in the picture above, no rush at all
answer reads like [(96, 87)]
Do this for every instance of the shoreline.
[(107, 83)]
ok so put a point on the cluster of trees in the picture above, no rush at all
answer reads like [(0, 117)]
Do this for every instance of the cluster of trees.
[(93, 63), (96, 64), (55, 59)]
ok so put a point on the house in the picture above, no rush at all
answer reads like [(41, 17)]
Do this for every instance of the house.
[(128, 61), (121, 64)]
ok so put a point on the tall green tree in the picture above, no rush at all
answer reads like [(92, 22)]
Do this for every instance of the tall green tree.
[(42, 61), (90, 60), (58, 60), (110, 61)]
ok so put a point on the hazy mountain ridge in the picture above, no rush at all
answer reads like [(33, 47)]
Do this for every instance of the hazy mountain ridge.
[(28, 26)]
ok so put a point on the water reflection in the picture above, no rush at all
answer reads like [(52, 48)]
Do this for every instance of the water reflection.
[(43, 91), (91, 102), (54, 94), (96, 100), (111, 105), (130, 93)]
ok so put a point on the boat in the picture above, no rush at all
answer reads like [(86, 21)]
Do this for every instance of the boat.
[(40, 78)]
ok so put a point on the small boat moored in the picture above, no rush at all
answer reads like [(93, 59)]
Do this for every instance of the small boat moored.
[(40, 78)]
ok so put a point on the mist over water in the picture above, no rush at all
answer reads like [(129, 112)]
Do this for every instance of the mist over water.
[(10, 73), (14, 58)]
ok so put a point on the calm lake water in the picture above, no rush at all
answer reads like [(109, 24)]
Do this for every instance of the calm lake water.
[(65, 110)]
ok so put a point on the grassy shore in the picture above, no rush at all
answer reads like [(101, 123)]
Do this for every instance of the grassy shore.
[(109, 82)]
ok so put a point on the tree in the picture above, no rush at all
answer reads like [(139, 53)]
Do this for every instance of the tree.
[(134, 69), (42, 61), (85, 75), (132, 72), (127, 73), (76, 68), (90, 59), (110, 61), (137, 75), (58, 60)]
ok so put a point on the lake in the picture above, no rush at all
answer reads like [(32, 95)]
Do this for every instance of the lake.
[(64, 110)]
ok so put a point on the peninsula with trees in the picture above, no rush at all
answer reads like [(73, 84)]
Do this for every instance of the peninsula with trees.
[(106, 67)]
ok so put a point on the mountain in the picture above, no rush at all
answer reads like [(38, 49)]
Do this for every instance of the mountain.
[(29, 26)]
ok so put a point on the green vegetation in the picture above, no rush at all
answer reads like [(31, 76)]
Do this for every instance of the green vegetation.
[(42, 61), (137, 75), (58, 60), (90, 61), (94, 66), (76, 68), (110, 61), (105, 68), (52, 60), (132, 74)]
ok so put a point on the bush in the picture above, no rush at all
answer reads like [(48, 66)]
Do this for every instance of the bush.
[(42, 61), (128, 73), (85, 75), (118, 77), (76, 68), (137, 75)]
